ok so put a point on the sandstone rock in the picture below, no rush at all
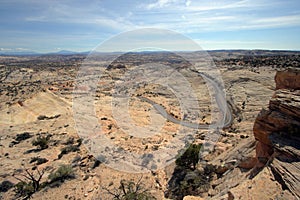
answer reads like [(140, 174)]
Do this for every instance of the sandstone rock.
[(287, 102), (277, 131), (288, 79), (192, 198), (248, 163), (288, 175)]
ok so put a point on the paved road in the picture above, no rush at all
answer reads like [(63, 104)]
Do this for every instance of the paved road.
[(220, 100)]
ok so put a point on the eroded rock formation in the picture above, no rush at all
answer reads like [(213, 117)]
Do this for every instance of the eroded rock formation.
[(277, 130)]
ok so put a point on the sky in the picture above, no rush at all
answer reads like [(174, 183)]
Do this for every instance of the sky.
[(51, 25)]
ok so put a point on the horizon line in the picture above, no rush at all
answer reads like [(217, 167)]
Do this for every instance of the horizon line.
[(70, 52)]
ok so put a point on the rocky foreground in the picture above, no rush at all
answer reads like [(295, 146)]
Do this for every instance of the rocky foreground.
[(277, 131), (270, 167)]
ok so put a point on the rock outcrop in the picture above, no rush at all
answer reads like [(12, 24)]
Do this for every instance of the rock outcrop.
[(288, 79), (277, 130)]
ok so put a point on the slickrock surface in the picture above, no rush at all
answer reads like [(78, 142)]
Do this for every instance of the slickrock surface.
[(278, 132)]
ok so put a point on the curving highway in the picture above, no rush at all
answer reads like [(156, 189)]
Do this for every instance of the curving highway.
[(225, 110)]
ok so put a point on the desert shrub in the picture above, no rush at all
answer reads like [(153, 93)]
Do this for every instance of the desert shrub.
[(30, 182), (24, 189), (38, 160), (5, 186), (129, 190), (189, 182), (42, 142), (186, 178), (190, 157), (62, 173), (68, 149)]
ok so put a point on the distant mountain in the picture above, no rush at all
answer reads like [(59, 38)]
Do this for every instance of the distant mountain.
[(65, 52)]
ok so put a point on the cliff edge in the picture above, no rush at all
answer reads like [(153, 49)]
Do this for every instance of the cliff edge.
[(277, 130)]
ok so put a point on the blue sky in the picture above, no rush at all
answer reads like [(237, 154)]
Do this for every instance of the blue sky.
[(51, 25)]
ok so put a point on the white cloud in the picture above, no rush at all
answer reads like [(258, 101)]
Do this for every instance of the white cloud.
[(159, 4), (21, 49), (188, 3), (229, 44), (90, 14), (221, 5), (98, 20), (14, 49), (278, 21), (5, 49)]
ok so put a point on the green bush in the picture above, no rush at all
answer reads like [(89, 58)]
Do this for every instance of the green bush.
[(190, 157), (24, 189), (186, 178), (189, 182), (133, 191), (62, 173), (42, 142), (29, 181), (129, 190)]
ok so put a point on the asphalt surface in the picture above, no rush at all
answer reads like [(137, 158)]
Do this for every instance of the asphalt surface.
[(223, 107)]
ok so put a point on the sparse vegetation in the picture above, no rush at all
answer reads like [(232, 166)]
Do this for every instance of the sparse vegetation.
[(129, 190), (62, 173), (189, 182), (190, 157), (21, 91), (42, 142), (30, 182), (187, 179), (24, 189)]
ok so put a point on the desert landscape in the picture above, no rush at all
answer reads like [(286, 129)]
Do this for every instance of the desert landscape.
[(47, 151)]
